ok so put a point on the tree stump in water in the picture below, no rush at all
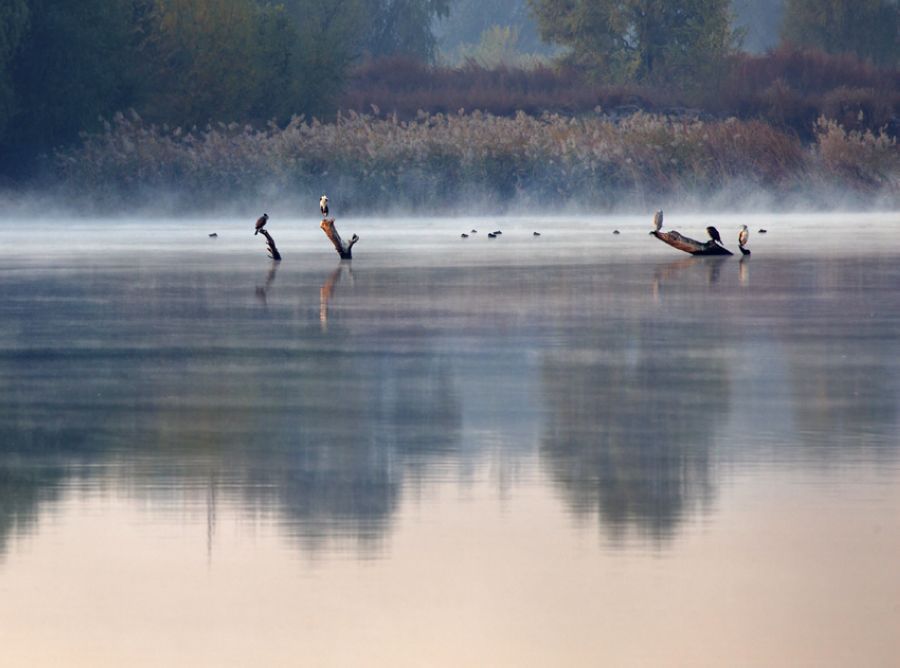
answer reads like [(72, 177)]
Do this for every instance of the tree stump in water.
[(270, 246), (344, 248), (692, 246)]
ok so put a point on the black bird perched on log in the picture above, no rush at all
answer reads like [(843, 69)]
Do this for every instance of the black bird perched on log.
[(714, 234), (261, 223), (323, 205), (657, 221)]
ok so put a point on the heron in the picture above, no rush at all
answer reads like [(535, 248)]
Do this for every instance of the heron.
[(657, 221), (261, 223), (743, 236), (323, 205), (714, 234)]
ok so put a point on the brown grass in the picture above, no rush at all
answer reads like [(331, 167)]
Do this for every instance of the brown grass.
[(437, 160)]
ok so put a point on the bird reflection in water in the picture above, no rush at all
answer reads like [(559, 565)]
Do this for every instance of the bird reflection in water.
[(327, 291), (744, 270), (262, 291), (666, 272)]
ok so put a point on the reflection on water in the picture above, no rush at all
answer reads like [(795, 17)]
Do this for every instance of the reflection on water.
[(631, 427), (337, 405), (262, 291)]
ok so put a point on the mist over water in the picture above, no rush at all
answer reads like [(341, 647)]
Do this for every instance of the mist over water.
[(574, 447)]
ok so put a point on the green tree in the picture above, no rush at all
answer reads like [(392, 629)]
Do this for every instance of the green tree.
[(649, 40), (470, 19), (13, 24), (869, 28), (404, 27), (354, 28), (74, 64), (237, 60), (499, 47), (201, 60)]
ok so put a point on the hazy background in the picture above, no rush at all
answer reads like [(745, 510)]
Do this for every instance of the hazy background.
[(208, 103)]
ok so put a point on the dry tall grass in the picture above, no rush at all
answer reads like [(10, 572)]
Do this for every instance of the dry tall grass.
[(437, 159)]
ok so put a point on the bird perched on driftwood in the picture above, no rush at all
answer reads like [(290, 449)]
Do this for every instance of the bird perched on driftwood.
[(657, 221), (714, 234), (743, 238), (323, 205), (261, 223)]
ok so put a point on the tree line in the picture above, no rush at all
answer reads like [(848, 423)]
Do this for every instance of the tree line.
[(65, 65), (689, 41)]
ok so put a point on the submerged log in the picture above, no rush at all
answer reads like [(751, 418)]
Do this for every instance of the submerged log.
[(692, 246), (270, 245), (344, 248)]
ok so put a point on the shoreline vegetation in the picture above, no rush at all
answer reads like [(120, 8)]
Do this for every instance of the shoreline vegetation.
[(206, 106), (446, 162)]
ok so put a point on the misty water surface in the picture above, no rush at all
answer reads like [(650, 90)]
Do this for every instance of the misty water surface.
[(572, 449)]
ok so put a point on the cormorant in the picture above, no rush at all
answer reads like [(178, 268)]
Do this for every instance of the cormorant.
[(714, 234), (743, 236), (261, 222), (323, 205), (657, 221)]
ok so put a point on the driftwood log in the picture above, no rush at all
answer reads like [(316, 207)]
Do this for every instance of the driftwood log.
[(692, 246), (344, 248), (270, 246)]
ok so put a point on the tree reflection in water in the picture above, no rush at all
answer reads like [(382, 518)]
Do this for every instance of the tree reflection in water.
[(630, 427), (181, 387)]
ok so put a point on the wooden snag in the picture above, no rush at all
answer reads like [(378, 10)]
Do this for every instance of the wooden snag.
[(344, 248), (270, 245)]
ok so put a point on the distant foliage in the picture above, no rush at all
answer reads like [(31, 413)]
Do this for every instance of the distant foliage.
[(370, 28), (472, 24), (868, 28), (14, 16), (64, 64), (226, 60), (499, 47), (441, 160), (759, 23), (75, 61), (792, 88), (404, 86), (868, 159), (686, 41), (787, 87)]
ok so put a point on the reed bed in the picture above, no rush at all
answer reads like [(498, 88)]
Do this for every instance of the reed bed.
[(436, 161)]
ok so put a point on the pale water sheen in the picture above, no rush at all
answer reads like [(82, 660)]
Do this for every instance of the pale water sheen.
[(574, 449)]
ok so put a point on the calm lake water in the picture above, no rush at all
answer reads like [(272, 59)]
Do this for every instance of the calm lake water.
[(577, 449)]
